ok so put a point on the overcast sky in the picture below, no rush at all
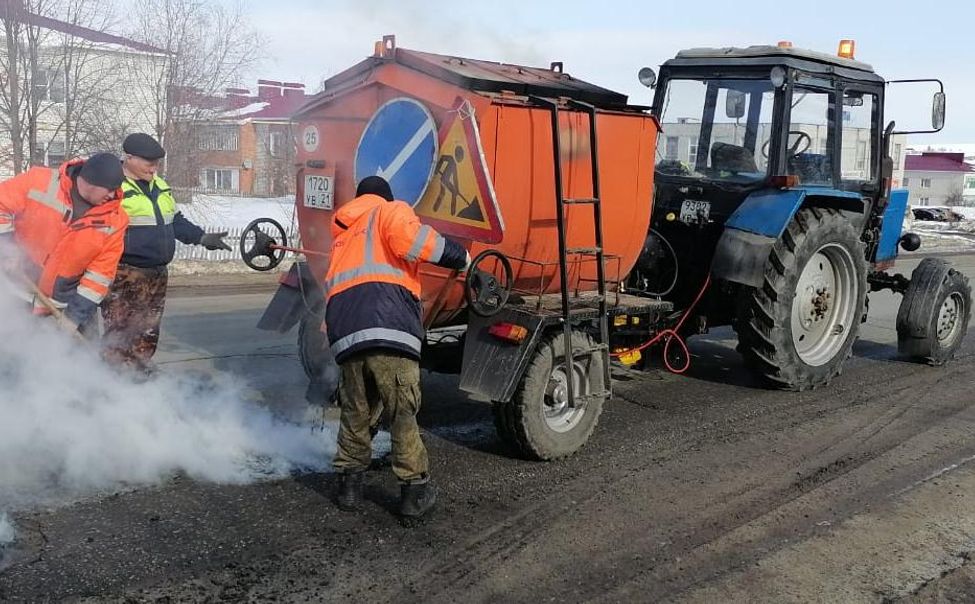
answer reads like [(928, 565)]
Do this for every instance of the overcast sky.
[(607, 42)]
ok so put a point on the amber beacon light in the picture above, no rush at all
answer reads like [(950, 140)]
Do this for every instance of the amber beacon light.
[(847, 48)]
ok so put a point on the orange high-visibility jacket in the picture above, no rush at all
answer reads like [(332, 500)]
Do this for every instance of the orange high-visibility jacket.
[(76, 260), (372, 289)]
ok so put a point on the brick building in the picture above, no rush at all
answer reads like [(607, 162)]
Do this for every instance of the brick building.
[(247, 148)]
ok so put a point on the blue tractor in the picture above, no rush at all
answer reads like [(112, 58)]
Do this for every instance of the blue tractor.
[(774, 192)]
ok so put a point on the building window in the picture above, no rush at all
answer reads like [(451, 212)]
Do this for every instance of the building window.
[(221, 179), (218, 138), (673, 148), (275, 145), (49, 154), (970, 182), (861, 160), (907, 181), (924, 200), (897, 155), (925, 183), (49, 85), (692, 150)]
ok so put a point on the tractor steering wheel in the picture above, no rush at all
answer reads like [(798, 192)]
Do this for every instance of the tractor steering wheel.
[(795, 149), (486, 295)]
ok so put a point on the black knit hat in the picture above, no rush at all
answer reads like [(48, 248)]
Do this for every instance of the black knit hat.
[(374, 185), (102, 170), (144, 146)]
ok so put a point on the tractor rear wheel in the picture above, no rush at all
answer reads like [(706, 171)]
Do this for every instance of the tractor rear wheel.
[(796, 331), (934, 313), (539, 421)]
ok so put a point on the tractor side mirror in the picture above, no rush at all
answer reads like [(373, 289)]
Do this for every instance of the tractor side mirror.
[(734, 105), (938, 111)]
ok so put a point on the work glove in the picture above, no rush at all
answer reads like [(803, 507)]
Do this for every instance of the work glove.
[(214, 241)]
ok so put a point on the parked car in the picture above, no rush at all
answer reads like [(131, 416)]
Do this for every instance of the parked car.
[(937, 214)]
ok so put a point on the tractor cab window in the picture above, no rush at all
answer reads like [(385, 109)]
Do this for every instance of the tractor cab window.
[(858, 138), (716, 129), (808, 147)]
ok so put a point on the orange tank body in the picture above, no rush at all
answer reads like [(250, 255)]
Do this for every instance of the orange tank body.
[(518, 150)]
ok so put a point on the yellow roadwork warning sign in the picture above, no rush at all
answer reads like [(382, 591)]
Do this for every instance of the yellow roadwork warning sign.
[(460, 199)]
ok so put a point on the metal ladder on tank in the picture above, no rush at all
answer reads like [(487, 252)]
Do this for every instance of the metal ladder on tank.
[(597, 251)]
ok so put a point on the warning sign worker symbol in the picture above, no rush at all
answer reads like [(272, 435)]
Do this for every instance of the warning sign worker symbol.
[(460, 199)]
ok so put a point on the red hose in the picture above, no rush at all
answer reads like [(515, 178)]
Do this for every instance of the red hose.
[(672, 334)]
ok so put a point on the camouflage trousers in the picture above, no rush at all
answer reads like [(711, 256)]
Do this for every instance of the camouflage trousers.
[(377, 385), (131, 314)]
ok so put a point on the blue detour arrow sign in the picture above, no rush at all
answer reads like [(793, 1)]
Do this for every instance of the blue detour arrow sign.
[(399, 144)]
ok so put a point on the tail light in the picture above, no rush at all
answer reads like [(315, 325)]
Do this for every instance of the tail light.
[(509, 332)]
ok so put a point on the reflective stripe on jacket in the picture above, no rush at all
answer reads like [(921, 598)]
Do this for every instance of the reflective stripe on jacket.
[(76, 259), (372, 288), (154, 224)]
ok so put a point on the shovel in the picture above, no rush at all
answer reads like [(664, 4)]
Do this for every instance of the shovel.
[(49, 304)]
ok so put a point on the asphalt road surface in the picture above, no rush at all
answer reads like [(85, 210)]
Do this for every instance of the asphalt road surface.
[(697, 488)]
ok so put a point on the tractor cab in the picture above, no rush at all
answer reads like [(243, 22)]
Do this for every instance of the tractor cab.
[(747, 118), (749, 123)]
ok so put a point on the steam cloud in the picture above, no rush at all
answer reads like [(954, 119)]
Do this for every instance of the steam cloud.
[(71, 426)]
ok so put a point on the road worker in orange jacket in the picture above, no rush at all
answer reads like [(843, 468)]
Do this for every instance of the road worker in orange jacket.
[(374, 322), (69, 228)]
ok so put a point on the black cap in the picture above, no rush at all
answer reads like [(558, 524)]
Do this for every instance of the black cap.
[(144, 146), (374, 185), (102, 170)]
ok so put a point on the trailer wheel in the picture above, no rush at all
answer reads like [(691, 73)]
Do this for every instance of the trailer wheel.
[(934, 313), (798, 329), (313, 350), (538, 421)]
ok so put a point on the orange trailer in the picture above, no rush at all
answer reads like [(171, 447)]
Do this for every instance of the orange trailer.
[(546, 179)]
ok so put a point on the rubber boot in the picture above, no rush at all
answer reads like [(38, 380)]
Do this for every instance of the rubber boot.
[(417, 499), (349, 497)]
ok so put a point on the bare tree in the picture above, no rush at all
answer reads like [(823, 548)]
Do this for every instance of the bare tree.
[(955, 198), (57, 79), (210, 48)]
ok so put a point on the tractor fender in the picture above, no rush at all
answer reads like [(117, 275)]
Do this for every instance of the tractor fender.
[(760, 220)]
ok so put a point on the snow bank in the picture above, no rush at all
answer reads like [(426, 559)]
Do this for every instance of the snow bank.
[(237, 212), (6, 531)]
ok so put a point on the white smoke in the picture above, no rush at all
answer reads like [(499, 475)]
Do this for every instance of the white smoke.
[(72, 426)]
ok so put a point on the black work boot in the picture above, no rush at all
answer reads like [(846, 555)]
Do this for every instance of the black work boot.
[(417, 499), (349, 497)]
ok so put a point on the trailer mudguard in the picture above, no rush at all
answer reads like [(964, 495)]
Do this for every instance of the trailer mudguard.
[(492, 368), (758, 223), (297, 293)]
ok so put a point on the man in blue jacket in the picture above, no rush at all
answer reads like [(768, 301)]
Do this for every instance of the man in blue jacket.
[(133, 309)]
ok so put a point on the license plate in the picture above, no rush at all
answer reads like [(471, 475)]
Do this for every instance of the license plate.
[(694, 211), (319, 192)]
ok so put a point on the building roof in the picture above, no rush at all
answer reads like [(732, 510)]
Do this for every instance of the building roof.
[(14, 9), (937, 162), (274, 101)]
